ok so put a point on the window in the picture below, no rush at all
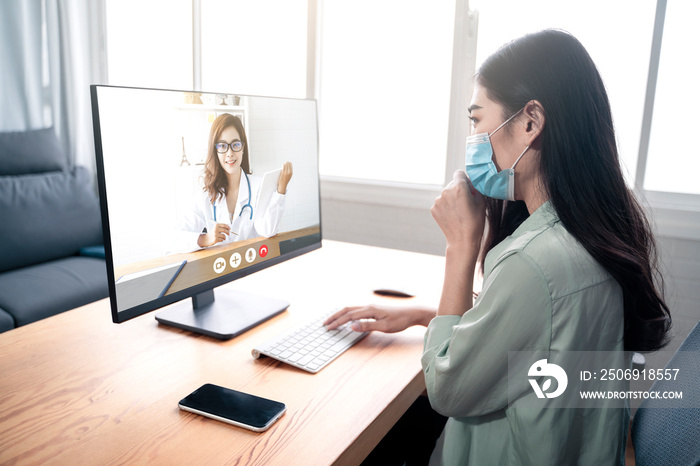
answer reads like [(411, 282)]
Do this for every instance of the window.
[(385, 68), (254, 47), (673, 160), (622, 58), (246, 46), (385, 89), (149, 44)]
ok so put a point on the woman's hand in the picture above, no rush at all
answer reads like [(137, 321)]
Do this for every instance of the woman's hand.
[(385, 319), (460, 212), (285, 176), (221, 231)]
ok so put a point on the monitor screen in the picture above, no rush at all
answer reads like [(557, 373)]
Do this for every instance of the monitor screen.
[(199, 189)]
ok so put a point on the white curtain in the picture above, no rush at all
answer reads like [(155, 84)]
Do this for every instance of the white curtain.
[(52, 50), (21, 86)]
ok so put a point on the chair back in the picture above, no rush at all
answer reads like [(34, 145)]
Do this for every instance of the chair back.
[(664, 435)]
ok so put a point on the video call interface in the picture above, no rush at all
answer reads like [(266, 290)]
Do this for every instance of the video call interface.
[(164, 153)]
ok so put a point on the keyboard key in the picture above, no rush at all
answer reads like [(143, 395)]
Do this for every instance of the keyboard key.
[(341, 344), (305, 360)]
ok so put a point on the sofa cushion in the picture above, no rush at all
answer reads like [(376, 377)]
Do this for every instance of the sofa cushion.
[(33, 293), (6, 321), (33, 151), (47, 216)]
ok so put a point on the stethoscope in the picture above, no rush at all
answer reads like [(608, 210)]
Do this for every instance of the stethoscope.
[(248, 205)]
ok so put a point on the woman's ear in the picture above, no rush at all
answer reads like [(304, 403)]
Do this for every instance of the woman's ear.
[(534, 121)]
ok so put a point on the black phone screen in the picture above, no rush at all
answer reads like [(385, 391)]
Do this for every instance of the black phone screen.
[(234, 405)]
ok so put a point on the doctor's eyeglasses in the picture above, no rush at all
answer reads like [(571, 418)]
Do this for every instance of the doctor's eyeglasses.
[(222, 147)]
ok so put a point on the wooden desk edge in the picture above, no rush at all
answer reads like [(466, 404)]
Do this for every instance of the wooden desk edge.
[(375, 432)]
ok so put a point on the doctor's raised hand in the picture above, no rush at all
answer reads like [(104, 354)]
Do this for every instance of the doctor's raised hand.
[(285, 176)]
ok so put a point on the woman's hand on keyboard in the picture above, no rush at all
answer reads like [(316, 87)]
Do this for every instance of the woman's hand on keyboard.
[(381, 318)]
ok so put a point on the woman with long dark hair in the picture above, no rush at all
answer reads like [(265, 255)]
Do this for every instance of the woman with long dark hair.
[(568, 260), (224, 213)]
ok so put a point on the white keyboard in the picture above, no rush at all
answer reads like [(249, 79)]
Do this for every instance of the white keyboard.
[(310, 347)]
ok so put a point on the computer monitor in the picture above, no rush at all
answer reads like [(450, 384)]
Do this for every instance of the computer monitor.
[(199, 189)]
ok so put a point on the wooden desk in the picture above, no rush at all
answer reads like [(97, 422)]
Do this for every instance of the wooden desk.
[(78, 389)]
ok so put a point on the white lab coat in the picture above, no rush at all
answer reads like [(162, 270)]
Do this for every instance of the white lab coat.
[(264, 224)]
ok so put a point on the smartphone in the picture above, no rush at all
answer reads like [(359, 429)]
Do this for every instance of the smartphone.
[(233, 407)]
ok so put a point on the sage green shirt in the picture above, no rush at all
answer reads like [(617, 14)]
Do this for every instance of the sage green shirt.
[(542, 292)]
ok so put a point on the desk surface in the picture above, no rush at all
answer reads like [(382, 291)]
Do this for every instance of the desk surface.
[(77, 389)]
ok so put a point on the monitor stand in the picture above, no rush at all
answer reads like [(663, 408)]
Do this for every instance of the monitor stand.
[(230, 314)]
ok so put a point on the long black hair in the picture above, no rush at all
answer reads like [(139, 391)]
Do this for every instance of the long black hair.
[(581, 172)]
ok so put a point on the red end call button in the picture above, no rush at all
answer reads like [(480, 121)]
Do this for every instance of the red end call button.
[(263, 251)]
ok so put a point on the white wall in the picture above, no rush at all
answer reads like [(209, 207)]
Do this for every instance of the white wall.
[(283, 130), (406, 228), (680, 263)]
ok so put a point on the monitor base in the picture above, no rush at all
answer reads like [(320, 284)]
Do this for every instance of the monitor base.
[(230, 314)]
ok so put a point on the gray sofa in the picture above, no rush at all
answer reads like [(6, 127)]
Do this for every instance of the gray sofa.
[(50, 231)]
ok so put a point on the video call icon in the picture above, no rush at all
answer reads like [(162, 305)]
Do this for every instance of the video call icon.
[(219, 264), (250, 255), (235, 260)]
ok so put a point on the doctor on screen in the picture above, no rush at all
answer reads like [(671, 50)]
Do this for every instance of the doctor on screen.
[(224, 213)]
